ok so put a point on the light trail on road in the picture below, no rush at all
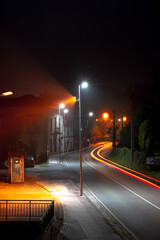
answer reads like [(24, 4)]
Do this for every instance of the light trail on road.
[(97, 156)]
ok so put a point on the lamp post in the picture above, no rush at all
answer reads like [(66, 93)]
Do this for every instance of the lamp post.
[(83, 85), (64, 112), (61, 106)]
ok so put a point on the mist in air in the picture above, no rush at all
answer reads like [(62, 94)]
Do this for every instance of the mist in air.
[(22, 74)]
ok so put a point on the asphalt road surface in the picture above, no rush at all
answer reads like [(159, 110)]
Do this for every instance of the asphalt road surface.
[(134, 203)]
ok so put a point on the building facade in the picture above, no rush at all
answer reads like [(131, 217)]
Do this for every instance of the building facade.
[(60, 134), (27, 124)]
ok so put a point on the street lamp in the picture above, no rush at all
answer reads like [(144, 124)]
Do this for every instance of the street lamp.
[(5, 94), (61, 106), (83, 85), (105, 115), (64, 112), (90, 114)]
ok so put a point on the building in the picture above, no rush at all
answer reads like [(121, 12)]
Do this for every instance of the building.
[(29, 124), (60, 134)]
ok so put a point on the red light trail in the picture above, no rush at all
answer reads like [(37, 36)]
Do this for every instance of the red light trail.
[(121, 168)]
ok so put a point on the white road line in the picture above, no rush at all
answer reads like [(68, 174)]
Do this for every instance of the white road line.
[(111, 213), (127, 229), (153, 205)]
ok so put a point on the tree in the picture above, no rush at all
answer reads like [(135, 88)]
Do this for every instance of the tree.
[(145, 135), (125, 136)]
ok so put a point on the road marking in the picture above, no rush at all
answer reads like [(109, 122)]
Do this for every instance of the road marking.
[(111, 213), (153, 205), (125, 227)]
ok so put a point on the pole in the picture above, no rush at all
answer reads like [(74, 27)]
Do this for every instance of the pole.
[(122, 121), (59, 137), (114, 130), (80, 145), (132, 130)]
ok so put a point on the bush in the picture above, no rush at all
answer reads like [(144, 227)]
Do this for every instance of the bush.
[(122, 156), (140, 157), (125, 153)]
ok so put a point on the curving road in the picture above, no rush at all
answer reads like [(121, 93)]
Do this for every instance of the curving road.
[(129, 196)]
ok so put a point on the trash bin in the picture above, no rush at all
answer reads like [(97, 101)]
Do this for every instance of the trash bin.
[(16, 167)]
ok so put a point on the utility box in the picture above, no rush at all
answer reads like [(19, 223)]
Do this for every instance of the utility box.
[(16, 167)]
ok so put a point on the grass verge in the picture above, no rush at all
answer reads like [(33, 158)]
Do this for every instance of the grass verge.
[(122, 156)]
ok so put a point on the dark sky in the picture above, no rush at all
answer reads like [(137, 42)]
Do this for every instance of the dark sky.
[(108, 43)]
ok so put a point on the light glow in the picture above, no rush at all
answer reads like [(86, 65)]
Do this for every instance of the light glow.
[(84, 85), (110, 163), (124, 119), (70, 100), (7, 93), (60, 191), (62, 106), (91, 114), (105, 115)]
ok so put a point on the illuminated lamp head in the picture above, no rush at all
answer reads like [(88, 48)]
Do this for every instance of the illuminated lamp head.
[(105, 115), (124, 119)]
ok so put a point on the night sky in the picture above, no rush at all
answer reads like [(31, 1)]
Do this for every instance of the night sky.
[(107, 43)]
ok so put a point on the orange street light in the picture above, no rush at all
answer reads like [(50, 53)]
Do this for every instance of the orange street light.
[(124, 119), (7, 93), (105, 115), (70, 100)]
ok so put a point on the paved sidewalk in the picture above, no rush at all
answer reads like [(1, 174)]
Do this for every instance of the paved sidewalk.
[(19, 191), (81, 219)]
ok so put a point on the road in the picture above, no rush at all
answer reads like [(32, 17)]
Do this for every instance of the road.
[(133, 202)]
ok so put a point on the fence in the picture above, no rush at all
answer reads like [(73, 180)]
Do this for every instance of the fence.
[(26, 210)]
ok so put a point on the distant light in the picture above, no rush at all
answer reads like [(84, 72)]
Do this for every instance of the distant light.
[(119, 120), (65, 111), (105, 115), (124, 119), (62, 105), (7, 93), (90, 114), (84, 85)]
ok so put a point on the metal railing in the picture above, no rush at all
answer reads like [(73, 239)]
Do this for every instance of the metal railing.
[(25, 210)]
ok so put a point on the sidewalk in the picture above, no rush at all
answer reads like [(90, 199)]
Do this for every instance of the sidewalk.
[(19, 191), (82, 220)]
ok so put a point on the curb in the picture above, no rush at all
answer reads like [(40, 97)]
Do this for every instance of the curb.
[(57, 223), (110, 219)]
